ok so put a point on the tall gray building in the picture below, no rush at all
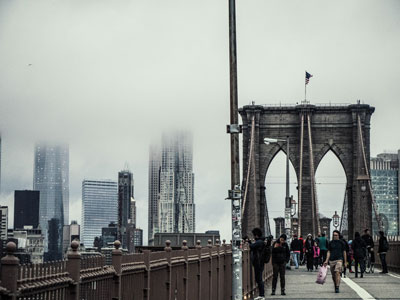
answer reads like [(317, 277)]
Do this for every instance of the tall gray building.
[(99, 208), (0, 162), (174, 184), (51, 178), (154, 190), (125, 196), (385, 183)]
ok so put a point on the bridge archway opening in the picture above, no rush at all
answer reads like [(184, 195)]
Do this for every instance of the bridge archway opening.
[(331, 181), (275, 188)]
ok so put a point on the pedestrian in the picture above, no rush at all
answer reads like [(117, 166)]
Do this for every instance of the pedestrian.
[(382, 249), (316, 252), (296, 246), (347, 254), (256, 251), (350, 257), (359, 251), (280, 256), (302, 250), (323, 246), (309, 252), (370, 246), (336, 256)]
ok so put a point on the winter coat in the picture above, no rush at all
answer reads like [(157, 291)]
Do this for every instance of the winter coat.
[(382, 248), (368, 240), (359, 248), (296, 245), (280, 254), (255, 252), (316, 251), (309, 247)]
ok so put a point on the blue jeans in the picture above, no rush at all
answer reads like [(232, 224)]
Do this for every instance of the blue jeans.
[(296, 258)]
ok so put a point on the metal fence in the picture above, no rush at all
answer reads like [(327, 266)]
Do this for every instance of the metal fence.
[(196, 273)]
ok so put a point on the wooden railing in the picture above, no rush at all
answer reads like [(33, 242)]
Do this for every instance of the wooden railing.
[(197, 273)]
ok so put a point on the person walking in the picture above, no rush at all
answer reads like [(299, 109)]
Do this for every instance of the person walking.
[(280, 256), (336, 256), (382, 249), (347, 253), (359, 251), (350, 257), (309, 252), (323, 246), (256, 250), (302, 250), (370, 246), (316, 252), (296, 246)]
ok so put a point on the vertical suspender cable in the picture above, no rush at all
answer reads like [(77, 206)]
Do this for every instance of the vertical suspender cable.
[(300, 171), (249, 165), (378, 218)]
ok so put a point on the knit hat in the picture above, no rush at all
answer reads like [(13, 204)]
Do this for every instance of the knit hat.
[(283, 236)]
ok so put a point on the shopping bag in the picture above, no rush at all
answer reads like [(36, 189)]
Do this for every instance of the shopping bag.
[(321, 277)]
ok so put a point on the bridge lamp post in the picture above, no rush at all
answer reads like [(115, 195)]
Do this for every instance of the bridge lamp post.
[(288, 203), (336, 219)]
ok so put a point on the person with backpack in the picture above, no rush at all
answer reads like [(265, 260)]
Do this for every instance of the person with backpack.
[(280, 257), (323, 246), (260, 254), (382, 249), (359, 251)]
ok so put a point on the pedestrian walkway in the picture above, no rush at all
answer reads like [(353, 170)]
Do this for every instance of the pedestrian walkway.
[(300, 284)]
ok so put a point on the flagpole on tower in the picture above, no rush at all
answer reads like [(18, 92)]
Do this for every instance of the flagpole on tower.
[(308, 76)]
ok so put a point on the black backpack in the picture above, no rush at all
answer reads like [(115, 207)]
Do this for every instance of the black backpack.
[(266, 252)]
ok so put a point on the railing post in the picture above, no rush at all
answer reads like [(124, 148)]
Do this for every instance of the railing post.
[(186, 270), (147, 277), (74, 270), (9, 270), (210, 269), (117, 264), (218, 285), (168, 250), (198, 247)]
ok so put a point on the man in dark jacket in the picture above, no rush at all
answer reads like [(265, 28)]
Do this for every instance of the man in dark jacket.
[(257, 260), (382, 249), (359, 250), (280, 257), (296, 246), (369, 241)]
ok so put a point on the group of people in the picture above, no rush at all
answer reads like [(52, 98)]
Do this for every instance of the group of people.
[(314, 253)]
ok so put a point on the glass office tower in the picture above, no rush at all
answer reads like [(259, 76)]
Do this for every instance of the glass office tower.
[(385, 184), (99, 208), (51, 179)]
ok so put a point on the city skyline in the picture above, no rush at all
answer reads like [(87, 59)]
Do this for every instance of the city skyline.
[(110, 88)]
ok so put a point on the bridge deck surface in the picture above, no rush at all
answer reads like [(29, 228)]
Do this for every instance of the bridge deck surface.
[(300, 284)]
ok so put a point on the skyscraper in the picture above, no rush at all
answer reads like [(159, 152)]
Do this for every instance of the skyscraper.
[(154, 190), (174, 184), (125, 195), (99, 207), (3, 222), (385, 184), (26, 209), (51, 179)]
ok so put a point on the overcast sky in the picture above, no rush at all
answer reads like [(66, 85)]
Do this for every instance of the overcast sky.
[(109, 77)]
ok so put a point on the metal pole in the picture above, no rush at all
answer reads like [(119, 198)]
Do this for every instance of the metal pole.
[(287, 198), (234, 193)]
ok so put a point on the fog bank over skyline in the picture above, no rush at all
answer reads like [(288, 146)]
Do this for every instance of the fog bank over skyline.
[(109, 77)]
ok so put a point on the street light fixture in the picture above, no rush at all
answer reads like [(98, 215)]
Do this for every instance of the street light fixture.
[(288, 205), (336, 219), (293, 207)]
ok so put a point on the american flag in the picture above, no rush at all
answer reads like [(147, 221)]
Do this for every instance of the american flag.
[(308, 76)]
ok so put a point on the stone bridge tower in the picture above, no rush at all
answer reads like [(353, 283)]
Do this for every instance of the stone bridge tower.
[(312, 131)]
